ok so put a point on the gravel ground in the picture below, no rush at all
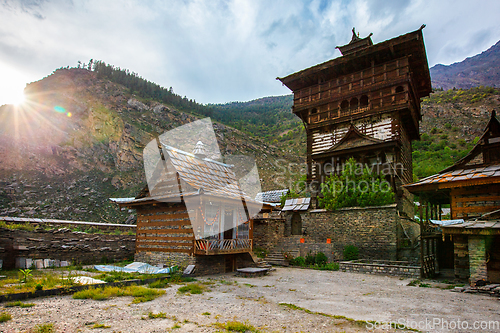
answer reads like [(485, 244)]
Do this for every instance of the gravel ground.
[(256, 301)]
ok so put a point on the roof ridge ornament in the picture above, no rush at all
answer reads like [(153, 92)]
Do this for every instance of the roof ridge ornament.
[(357, 43), (199, 150)]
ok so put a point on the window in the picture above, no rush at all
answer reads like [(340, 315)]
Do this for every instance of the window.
[(354, 103), (363, 101), (344, 106)]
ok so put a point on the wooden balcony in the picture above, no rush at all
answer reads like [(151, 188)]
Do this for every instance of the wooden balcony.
[(223, 246)]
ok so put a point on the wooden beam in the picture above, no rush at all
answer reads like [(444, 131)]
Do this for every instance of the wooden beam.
[(163, 250), (166, 231), (163, 223), (139, 238), (165, 244)]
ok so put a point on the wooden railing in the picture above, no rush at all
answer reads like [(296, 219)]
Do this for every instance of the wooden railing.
[(215, 246)]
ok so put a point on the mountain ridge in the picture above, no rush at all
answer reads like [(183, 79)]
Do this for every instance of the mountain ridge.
[(480, 70)]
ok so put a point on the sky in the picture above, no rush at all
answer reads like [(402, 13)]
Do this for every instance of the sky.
[(216, 51)]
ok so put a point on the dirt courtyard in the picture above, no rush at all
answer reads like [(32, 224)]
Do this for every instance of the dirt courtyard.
[(316, 302)]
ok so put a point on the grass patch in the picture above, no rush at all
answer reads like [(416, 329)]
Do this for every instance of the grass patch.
[(5, 316), (177, 278), (192, 288), (96, 325), (413, 283), (19, 304), (236, 326), (152, 315), (331, 266), (17, 226), (227, 282), (176, 326), (140, 294), (206, 313), (250, 285), (44, 328), (159, 284)]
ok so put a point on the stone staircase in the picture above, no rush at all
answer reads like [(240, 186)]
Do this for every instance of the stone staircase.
[(277, 257)]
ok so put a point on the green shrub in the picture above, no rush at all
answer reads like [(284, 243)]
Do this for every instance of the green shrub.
[(332, 266), (152, 315), (351, 252), (236, 326), (310, 259), (299, 261), (321, 259), (357, 186), (5, 316)]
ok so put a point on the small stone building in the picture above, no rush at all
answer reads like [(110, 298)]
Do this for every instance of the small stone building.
[(472, 189)]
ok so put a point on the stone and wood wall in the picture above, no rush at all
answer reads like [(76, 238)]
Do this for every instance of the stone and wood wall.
[(378, 232), (63, 244)]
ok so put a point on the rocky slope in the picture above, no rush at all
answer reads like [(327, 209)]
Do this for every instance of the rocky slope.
[(480, 70), (78, 141)]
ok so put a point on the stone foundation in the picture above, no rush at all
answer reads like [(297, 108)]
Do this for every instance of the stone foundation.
[(461, 254), (380, 267), (477, 259), (204, 264)]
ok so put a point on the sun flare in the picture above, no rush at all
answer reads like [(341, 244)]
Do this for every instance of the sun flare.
[(12, 84), (17, 99)]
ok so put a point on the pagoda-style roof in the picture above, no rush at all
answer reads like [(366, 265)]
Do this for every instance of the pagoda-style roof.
[(480, 167), (355, 44), (359, 54)]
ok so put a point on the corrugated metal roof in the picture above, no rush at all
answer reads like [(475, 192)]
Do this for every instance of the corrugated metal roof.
[(271, 196)]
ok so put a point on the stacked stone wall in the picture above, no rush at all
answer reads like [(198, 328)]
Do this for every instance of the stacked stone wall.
[(63, 245)]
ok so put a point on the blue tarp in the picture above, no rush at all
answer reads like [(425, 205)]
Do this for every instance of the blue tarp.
[(136, 267)]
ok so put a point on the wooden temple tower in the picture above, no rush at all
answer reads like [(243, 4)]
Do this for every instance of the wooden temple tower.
[(364, 104)]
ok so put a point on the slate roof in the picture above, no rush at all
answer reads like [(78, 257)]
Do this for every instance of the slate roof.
[(476, 225), (271, 196), (297, 204), (196, 175), (461, 174), (472, 167), (211, 176)]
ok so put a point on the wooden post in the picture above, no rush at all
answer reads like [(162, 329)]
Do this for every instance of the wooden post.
[(421, 215)]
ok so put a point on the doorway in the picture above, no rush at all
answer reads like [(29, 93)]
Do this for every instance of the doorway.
[(296, 224)]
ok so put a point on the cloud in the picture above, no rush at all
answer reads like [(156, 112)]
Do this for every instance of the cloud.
[(227, 50)]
